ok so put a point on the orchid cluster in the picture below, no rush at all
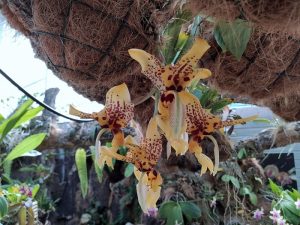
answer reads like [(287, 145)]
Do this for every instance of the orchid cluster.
[(275, 215), (179, 115)]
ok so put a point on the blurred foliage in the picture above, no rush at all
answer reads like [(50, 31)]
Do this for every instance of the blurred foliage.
[(233, 36), (284, 200), (17, 200), (80, 160), (209, 98), (180, 212)]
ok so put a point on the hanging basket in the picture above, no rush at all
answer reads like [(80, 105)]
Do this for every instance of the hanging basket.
[(85, 42)]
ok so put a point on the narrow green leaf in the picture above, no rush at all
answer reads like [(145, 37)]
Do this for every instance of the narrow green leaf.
[(208, 96), (295, 194), (170, 35), (129, 170), (29, 114), (219, 105), (97, 168), (1, 118), (190, 210), (80, 159), (275, 188), (30, 217), (171, 211), (7, 167), (22, 215), (3, 206), (233, 36), (193, 33), (35, 190), (9, 123), (262, 120), (29, 143)]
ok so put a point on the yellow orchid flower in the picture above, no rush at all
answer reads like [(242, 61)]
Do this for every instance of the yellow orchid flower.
[(171, 80), (201, 123), (148, 190), (116, 114), (144, 157)]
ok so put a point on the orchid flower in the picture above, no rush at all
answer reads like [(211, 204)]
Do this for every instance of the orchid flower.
[(144, 157), (258, 214), (201, 123), (116, 114), (171, 80), (297, 203), (275, 215)]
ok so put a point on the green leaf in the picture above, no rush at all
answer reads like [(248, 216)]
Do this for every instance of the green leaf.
[(242, 153), (226, 178), (170, 35), (35, 190), (290, 212), (80, 159), (9, 123), (253, 198), (3, 206), (7, 167), (219, 105), (129, 170), (190, 210), (30, 217), (233, 36), (1, 118), (275, 188), (97, 168), (262, 120), (29, 143), (22, 215), (235, 182), (171, 211), (245, 191), (219, 39), (29, 114), (207, 97), (294, 194)]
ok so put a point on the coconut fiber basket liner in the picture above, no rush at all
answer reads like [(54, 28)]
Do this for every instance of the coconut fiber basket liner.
[(269, 70), (85, 42)]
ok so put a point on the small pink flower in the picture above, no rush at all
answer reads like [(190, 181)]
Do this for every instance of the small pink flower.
[(152, 212), (213, 203), (297, 203), (275, 215), (258, 213), (281, 221)]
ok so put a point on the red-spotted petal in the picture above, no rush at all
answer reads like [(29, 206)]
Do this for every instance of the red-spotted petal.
[(119, 109), (198, 119), (146, 155), (179, 76), (151, 66)]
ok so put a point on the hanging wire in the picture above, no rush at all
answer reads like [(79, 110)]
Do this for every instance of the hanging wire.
[(47, 107)]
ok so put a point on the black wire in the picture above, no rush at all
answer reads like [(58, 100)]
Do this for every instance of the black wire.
[(47, 107)]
